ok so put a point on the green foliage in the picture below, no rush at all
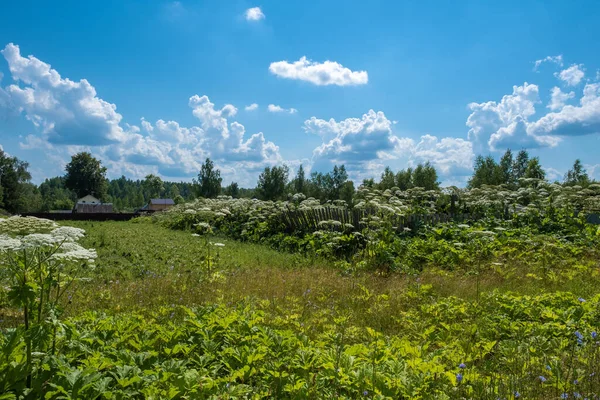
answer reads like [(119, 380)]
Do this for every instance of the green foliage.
[(272, 182), (577, 175), (13, 183), (209, 180), (85, 175), (534, 169), (423, 176), (154, 187), (232, 190)]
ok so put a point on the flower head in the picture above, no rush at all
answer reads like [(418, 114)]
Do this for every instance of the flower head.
[(462, 366), (542, 379), (459, 378)]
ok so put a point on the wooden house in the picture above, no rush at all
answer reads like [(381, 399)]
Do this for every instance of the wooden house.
[(160, 204), (90, 204)]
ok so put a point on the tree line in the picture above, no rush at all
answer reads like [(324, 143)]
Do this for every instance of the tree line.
[(85, 175)]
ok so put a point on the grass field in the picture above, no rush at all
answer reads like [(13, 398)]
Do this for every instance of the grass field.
[(166, 314)]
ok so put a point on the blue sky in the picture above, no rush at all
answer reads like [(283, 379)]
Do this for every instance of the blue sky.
[(156, 87)]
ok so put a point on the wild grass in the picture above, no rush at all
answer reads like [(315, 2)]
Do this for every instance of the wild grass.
[(143, 267)]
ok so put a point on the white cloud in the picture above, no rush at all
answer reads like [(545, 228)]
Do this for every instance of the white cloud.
[(518, 135), (573, 120), (572, 75), (277, 109), (254, 14), (593, 171), (450, 156), (69, 117), (552, 174), (327, 73), (251, 107), (504, 124), (508, 123), (67, 112), (365, 145), (553, 59), (559, 98)]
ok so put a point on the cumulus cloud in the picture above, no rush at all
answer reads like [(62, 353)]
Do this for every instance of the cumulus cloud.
[(67, 112), (551, 59), (254, 14), (322, 74), (573, 120), (277, 109), (70, 117), (510, 123), (365, 145), (504, 124), (251, 107), (450, 156), (559, 98), (572, 75)]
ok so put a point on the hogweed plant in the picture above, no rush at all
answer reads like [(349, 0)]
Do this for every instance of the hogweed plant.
[(39, 261), (210, 259)]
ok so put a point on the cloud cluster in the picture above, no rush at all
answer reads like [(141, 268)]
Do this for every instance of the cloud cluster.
[(321, 74), (67, 112), (367, 144), (572, 76), (583, 119), (278, 109), (559, 98), (504, 124), (251, 107), (254, 14), (511, 123), (71, 117), (551, 59)]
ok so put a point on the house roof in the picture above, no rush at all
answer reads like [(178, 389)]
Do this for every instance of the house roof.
[(167, 202), (89, 198)]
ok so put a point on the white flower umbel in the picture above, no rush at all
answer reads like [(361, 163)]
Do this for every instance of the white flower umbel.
[(68, 233), (9, 244), (25, 225)]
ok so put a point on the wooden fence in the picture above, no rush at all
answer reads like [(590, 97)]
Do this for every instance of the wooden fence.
[(310, 219)]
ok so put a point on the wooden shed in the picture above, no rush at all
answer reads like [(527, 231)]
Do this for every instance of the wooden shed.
[(90, 204), (160, 204)]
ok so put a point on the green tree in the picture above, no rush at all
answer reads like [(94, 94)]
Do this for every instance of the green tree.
[(13, 179), (388, 179), (339, 177), (534, 169), (173, 191), (577, 175), (506, 168), (404, 179), (232, 190), (347, 192), (55, 196), (86, 175), (300, 180), (368, 183), (271, 182), (153, 186), (486, 172), (425, 176), (520, 165), (209, 180)]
